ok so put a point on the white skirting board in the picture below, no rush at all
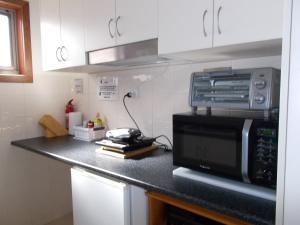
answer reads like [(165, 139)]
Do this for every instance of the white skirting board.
[(233, 185)]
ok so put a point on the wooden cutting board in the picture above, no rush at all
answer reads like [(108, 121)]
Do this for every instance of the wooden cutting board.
[(126, 155)]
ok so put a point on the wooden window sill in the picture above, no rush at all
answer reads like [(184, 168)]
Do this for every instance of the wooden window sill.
[(16, 78)]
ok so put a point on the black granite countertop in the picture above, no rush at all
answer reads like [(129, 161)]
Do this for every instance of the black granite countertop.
[(154, 173)]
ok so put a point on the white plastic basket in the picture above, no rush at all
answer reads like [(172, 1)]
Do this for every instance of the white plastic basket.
[(88, 134)]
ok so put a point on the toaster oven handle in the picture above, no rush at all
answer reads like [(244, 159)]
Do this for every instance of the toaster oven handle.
[(245, 150), (241, 96)]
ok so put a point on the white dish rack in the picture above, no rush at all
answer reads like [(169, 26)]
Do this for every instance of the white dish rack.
[(88, 134)]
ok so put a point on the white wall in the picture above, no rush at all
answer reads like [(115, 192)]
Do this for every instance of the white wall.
[(163, 91), (292, 181), (33, 189)]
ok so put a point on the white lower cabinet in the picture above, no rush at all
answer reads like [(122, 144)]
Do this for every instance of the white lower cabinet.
[(101, 201), (139, 206)]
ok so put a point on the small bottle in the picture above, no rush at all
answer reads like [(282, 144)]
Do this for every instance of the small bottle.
[(90, 124), (98, 122)]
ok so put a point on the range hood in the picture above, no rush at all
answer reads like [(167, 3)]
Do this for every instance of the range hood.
[(133, 54)]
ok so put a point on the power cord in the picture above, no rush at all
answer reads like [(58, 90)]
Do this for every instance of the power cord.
[(162, 145), (128, 95)]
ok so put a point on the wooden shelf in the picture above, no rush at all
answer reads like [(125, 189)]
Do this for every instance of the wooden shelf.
[(158, 210)]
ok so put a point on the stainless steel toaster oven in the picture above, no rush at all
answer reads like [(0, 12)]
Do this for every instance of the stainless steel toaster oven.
[(253, 89)]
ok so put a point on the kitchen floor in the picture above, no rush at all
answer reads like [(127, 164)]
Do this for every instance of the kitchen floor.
[(65, 220)]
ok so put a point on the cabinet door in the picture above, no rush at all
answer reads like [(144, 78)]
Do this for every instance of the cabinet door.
[(50, 34), (72, 33), (98, 200), (185, 25), (245, 21), (99, 17), (136, 20), (139, 206)]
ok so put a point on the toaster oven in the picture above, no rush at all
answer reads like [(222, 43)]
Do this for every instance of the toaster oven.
[(253, 89)]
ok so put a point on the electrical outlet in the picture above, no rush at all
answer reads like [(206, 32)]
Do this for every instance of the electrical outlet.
[(134, 93)]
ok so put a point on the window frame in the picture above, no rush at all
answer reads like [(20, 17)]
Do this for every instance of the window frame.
[(21, 72)]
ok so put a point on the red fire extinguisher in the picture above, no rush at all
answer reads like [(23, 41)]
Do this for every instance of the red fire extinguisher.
[(69, 108)]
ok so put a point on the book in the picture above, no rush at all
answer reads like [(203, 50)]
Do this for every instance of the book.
[(110, 144), (123, 147), (127, 154), (119, 150)]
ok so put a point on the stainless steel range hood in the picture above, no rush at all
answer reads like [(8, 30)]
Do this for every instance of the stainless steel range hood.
[(134, 54)]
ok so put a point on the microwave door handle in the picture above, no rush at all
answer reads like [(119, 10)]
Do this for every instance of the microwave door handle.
[(245, 150)]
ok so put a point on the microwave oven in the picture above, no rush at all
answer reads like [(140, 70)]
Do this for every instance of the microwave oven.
[(232, 147)]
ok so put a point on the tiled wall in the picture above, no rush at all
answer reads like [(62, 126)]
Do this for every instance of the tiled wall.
[(33, 189), (162, 91)]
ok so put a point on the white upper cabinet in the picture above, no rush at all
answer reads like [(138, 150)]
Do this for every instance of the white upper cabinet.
[(185, 25), (99, 17), (50, 33), (109, 23), (62, 34), (69, 28), (72, 33), (136, 20), (246, 21)]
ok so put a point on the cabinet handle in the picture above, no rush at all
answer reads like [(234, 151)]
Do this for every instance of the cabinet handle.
[(203, 21), (218, 18), (117, 23), (64, 53), (57, 55), (109, 23)]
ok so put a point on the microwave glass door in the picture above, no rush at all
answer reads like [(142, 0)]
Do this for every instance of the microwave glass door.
[(211, 144)]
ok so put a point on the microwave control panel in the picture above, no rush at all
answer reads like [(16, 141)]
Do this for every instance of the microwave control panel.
[(264, 170)]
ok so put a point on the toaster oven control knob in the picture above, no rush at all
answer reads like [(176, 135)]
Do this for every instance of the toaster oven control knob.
[(259, 99), (260, 84)]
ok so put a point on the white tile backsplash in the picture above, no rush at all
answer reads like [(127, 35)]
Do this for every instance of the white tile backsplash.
[(163, 91)]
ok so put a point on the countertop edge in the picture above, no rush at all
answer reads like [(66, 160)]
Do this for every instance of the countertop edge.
[(147, 186)]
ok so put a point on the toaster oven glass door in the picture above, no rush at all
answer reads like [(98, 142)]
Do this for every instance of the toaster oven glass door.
[(210, 144)]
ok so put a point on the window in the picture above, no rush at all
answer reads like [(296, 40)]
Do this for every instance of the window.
[(15, 45), (8, 52)]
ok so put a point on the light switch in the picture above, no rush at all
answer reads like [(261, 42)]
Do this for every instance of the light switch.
[(78, 86)]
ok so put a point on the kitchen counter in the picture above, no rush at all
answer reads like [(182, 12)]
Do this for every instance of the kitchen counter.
[(153, 173)]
